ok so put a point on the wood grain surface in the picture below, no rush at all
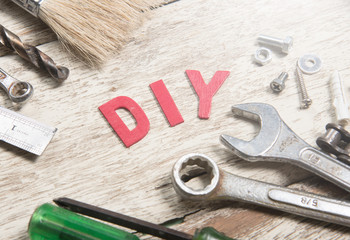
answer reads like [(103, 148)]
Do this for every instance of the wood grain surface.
[(87, 161)]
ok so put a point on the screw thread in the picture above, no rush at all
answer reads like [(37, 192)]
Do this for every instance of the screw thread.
[(306, 101), (301, 84)]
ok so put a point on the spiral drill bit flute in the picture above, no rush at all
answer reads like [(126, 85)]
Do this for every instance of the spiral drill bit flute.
[(32, 54)]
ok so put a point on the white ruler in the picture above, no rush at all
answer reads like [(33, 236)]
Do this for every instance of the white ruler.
[(23, 132)]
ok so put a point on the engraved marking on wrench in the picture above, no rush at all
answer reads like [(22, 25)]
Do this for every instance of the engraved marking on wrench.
[(308, 201), (314, 159), (223, 185)]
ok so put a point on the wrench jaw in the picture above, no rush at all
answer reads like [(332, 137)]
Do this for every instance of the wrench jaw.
[(274, 142), (242, 149), (270, 123), (195, 160)]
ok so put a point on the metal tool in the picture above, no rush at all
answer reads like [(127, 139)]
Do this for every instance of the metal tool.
[(310, 63), (278, 84), (79, 228), (24, 132), (226, 186), (336, 141), (32, 54), (284, 44), (277, 142), (55, 223), (16, 90), (262, 56), (305, 100)]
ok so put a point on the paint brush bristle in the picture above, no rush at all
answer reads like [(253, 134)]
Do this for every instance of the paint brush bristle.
[(94, 30)]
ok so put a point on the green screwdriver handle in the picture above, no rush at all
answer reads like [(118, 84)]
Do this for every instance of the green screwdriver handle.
[(209, 233), (55, 223)]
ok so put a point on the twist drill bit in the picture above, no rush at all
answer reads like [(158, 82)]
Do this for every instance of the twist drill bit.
[(32, 54)]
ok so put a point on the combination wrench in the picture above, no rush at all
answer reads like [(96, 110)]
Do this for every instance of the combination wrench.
[(224, 185), (16, 90), (277, 142)]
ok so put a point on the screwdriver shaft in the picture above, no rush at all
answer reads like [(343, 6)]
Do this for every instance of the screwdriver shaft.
[(122, 220)]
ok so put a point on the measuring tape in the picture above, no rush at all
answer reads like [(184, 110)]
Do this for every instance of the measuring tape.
[(23, 132)]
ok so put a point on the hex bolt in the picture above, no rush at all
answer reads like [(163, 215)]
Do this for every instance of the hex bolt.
[(305, 100), (284, 44), (278, 84), (336, 141)]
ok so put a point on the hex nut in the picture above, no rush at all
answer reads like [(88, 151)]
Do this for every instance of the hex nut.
[(262, 56)]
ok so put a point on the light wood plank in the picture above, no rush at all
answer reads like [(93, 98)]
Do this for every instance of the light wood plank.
[(88, 162)]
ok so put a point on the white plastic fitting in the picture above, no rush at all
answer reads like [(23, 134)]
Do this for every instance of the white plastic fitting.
[(340, 101)]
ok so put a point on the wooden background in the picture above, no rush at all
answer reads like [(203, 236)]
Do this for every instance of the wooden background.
[(87, 161)]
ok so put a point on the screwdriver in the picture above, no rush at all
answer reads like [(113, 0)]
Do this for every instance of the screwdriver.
[(63, 223)]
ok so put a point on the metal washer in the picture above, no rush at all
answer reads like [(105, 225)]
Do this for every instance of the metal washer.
[(307, 59)]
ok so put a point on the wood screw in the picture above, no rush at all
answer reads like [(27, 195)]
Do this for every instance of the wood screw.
[(305, 100)]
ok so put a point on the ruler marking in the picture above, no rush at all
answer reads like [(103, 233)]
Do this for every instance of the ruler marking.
[(23, 132), (18, 142), (22, 119)]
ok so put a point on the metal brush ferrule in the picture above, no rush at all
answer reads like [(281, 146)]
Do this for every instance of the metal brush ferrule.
[(31, 6)]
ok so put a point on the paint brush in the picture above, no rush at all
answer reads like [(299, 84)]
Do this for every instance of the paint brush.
[(92, 30)]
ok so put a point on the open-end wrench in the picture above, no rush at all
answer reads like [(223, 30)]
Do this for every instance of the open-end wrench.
[(16, 90), (277, 142), (224, 185)]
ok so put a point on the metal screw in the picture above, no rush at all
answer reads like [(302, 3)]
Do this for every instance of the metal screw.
[(277, 85), (305, 100), (284, 44)]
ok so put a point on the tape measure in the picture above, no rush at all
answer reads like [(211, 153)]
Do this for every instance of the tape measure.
[(23, 132)]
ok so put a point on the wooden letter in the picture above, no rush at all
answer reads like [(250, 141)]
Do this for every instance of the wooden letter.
[(204, 91), (142, 123), (167, 103)]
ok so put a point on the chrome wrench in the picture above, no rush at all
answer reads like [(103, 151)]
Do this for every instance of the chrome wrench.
[(277, 142), (224, 185), (16, 90)]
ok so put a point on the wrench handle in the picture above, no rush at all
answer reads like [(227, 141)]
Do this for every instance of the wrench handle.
[(309, 201), (325, 166), (284, 199)]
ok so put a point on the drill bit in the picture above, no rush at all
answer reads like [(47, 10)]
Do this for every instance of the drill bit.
[(32, 54)]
